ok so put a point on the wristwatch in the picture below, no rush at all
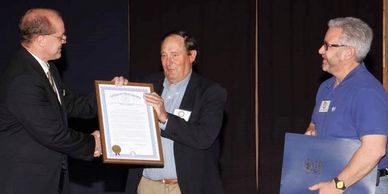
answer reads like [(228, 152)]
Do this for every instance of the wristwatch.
[(339, 184)]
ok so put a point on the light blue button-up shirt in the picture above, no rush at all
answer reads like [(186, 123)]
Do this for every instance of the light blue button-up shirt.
[(172, 96)]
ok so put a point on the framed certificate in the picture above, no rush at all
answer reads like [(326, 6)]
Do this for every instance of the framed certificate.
[(129, 128)]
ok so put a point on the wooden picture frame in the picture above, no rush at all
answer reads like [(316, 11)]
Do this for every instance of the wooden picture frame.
[(129, 128)]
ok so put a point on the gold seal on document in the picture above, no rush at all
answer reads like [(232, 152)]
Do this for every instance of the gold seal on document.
[(116, 149)]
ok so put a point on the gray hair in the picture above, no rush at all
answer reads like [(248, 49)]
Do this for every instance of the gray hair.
[(356, 34)]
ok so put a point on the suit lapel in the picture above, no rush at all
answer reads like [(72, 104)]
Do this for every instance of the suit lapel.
[(32, 62), (159, 86), (59, 85), (57, 80), (189, 95)]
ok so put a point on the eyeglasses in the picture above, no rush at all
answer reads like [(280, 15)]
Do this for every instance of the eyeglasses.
[(60, 38), (326, 45)]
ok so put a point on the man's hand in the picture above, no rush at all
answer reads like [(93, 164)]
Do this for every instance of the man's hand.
[(157, 102), (97, 139), (326, 188), (119, 81), (311, 130)]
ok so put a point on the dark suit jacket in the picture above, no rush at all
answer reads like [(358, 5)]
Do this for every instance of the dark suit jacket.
[(34, 135), (196, 142)]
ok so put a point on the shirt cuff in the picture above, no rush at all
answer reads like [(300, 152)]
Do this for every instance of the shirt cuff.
[(163, 125)]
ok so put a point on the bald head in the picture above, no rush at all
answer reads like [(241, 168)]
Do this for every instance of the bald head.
[(37, 22)]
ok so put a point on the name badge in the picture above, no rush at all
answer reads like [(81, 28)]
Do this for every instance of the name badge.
[(184, 114), (325, 104)]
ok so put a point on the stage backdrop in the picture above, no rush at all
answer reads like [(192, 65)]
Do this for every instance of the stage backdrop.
[(290, 34), (97, 48), (225, 31)]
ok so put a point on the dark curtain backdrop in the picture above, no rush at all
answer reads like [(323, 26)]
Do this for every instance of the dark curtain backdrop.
[(97, 48), (290, 34), (225, 33)]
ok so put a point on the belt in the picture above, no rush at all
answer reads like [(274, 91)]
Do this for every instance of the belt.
[(168, 181), (383, 172), (164, 181)]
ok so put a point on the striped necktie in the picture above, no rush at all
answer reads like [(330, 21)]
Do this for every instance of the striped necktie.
[(52, 83)]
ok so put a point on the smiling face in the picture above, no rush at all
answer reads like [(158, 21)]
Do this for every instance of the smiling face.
[(332, 57), (176, 60)]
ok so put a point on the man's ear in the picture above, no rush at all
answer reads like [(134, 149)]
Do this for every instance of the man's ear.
[(40, 40), (349, 53), (192, 55)]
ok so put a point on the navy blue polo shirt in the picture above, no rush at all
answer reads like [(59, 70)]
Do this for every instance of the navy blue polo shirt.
[(358, 106)]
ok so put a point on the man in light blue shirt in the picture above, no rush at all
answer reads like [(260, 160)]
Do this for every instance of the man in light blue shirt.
[(190, 111), (172, 95)]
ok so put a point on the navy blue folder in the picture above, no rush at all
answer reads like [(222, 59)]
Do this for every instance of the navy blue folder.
[(312, 159)]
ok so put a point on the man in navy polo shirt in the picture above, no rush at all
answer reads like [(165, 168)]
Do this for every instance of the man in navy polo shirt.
[(351, 104)]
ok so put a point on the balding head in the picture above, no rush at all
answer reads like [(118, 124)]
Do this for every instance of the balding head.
[(43, 33), (35, 22)]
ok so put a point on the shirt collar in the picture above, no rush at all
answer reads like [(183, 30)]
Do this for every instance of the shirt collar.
[(181, 84), (361, 67), (45, 66)]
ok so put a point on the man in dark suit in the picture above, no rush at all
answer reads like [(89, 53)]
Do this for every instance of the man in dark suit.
[(34, 106), (190, 111)]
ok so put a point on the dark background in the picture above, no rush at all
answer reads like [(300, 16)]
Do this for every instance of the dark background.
[(290, 34), (122, 37)]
